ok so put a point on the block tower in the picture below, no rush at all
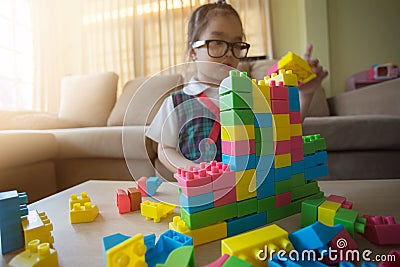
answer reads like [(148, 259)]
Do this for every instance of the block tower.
[(264, 175)]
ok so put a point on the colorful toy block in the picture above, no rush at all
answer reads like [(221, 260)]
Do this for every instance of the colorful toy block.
[(246, 207), (248, 246), (295, 116), (81, 199), (309, 211), (12, 207), (36, 255), (262, 120), (236, 82), (238, 148), (83, 213), (123, 201), (197, 203), (237, 100), (327, 211), (245, 184), (224, 196), (261, 98), (350, 221), (286, 77), (237, 132), (240, 163), (382, 230), (141, 182), (192, 178), (156, 211), (341, 243), (37, 226), (202, 235), (237, 117), (283, 199), (152, 184), (243, 224), (182, 256), (219, 262), (119, 250), (135, 198)]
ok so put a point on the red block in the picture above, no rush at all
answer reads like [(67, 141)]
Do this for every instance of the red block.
[(382, 230), (280, 106), (224, 196), (142, 185), (297, 155), (283, 199), (336, 199), (278, 91), (135, 197), (123, 202), (295, 117), (336, 244), (347, 205), (296, 142), (282, 147)]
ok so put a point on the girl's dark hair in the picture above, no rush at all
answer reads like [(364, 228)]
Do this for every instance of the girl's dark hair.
[(199, 19)]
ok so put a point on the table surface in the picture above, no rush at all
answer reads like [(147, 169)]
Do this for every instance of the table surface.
[(81, 244)]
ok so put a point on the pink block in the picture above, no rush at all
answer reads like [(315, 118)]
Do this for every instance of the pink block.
[(197, 190), (142, 185), (347, 205), (295, 117), (194, 177), (382, 230), (282, 147), (283, 199), (279, 106), (296, 142), (123, 201), (219, 262), (350, 245), (273, 69), (278, 91), (224, 196), (297, 155), (336, 199), (225, 180), (238, 148)]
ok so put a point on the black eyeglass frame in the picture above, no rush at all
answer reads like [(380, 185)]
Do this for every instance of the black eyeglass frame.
[(230, 46)]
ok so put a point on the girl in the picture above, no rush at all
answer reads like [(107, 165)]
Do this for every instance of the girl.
[(186, 127)]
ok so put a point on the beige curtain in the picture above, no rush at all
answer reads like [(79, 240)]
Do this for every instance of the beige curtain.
[(130, 38)]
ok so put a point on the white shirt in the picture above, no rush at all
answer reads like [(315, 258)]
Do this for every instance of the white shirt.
[(164, 128)]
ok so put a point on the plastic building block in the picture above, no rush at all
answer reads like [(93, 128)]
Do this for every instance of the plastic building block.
[(286, 77), (283, 199), (245, 184), (152, 184), (192, 178), (166, 243), (237, 132), (123, 201), (222, 177), (296, 129), (263, 135), (237, 117), (295, 117), (282, 147), (283, 212), (238, 148), (261, 97), (249, 245), (219, 262), (179, 257), (280, 106), (237, 226), (327, 211), (202, 235), (81, 199), (341, 243), (350, 220), (141, 182), (120, 250), (246, 207), (262, 120), (283, 173), (309, 211), (36, 255), (303, 191), (237, 82), (281, 120), (281, 134), (12, 207), (233, 261), (240, 163), (236, 100), (278, 90), (197, 203), (393, 259), (83, 213), (224, 196), (382, 230), (282, 160), (316, 172), (37, 226), (135, 198), (156, 211), (314, 236), (297, 154)]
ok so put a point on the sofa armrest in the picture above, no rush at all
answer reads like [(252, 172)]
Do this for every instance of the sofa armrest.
[(382, 98)]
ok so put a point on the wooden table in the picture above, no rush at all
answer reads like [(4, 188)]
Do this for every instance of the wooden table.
[(81, 244)]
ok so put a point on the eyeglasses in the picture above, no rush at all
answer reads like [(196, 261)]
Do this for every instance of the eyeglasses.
[(219, 48)]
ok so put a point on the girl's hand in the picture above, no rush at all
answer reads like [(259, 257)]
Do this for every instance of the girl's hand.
[(314, 84)]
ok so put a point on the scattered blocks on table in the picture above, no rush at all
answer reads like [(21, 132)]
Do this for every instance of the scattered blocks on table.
[(148, 186), (156, 211), (36, 255), (382, 230), (37, 226)]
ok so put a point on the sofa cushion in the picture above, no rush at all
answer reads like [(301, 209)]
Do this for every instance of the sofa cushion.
[(351, 133), (26, 147), (143, 97), (30, 120), (88, 99)]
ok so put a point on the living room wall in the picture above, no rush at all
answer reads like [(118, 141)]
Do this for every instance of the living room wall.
[(348, 35)]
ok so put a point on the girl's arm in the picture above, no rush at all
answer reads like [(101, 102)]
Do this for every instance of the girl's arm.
[(172, 160)]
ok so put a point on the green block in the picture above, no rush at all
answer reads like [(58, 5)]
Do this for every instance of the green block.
[(266, 204), (297, 179), (237, 117), (308, 145), (246, 207), (182, 256), (236, 82), (263, 135), (236, 100), (233, 261), (303, 191), (264, 148), (283, 212), (347, 218), (309, 211), (283, 186), (207, 217)]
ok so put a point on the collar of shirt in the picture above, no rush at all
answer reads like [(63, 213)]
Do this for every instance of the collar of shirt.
[(195, 87)]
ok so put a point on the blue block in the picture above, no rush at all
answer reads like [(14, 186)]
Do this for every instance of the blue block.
[(293, 92), (314, 236), (266, 190), (283, 173), (316, 172), (240, 225), (111, 241), (294, 105), (262, 120), (297, 167), (196, 203), (152, 184), (240, 163), (264, 162), (264, 176), (315, 159)]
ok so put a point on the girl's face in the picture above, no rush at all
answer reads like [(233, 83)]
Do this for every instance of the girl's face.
[(220, 27)]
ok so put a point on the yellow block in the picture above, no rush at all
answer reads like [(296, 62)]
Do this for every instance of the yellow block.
[(251, 246), (130, 251), (202, 235), (287, 77), (281, 120), (296, 129), (283, 160), (237, 132), (156, 211), (261, 98), (281, 133), (327, 211), (83, 213), (81, 199), (245, 184), (299, 66), (37, 254), (37, 226)]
